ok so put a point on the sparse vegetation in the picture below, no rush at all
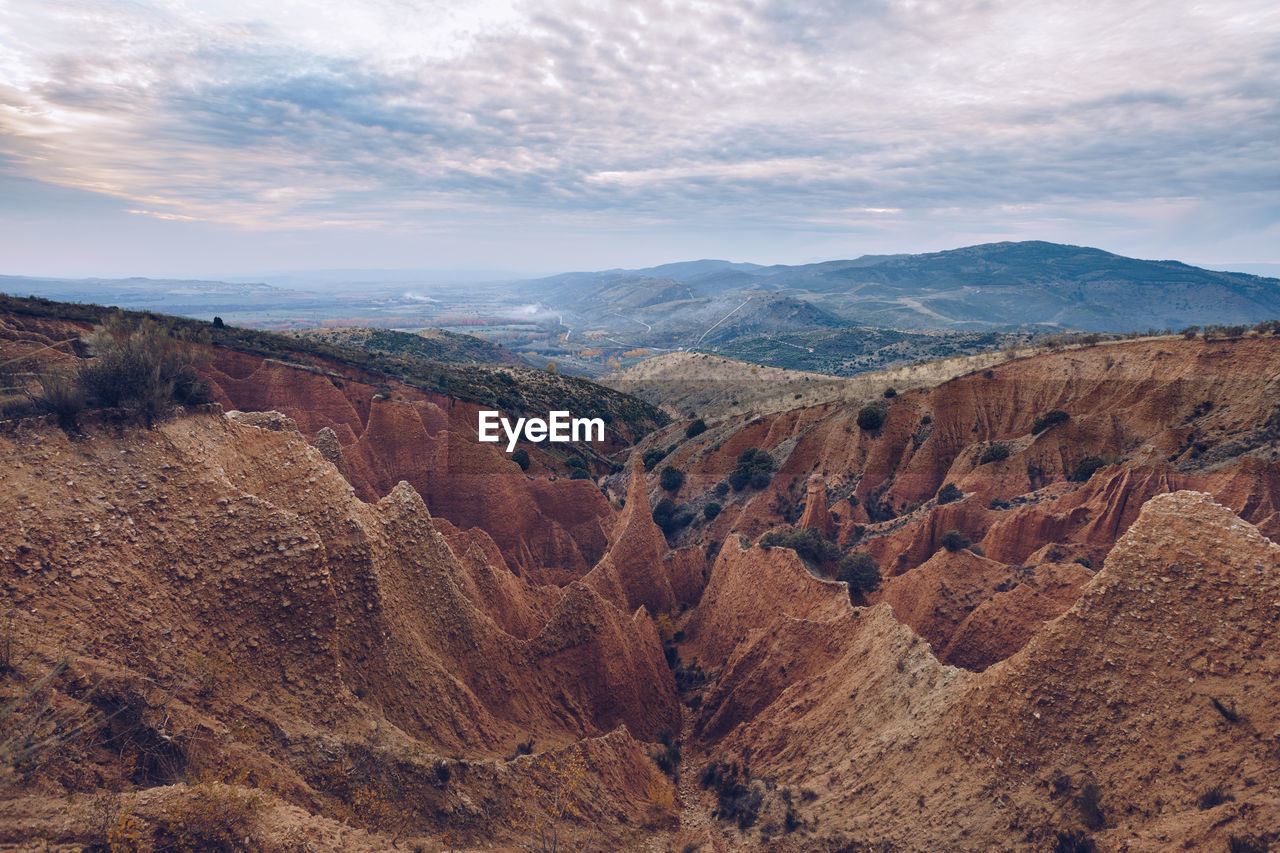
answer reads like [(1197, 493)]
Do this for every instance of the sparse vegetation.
[(954, 540), (807, 543), (1086, 468), (212, 814), (870, 418), (1247, 844), (1073, 841), (696, 428), (861, 571), (994, 453), (670, 517), (1089, 802), (711, 510), (949, 493), (671, 479), (1213, 797), (653, 457), (1048, 419), (754, 470)]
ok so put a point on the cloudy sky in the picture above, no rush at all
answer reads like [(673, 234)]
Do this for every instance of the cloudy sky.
[(211, 137)]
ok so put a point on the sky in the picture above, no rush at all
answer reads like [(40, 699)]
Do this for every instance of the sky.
[(178, 137)]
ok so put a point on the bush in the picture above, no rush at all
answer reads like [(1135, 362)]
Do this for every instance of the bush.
[(807, 543), (722, 488), (669, 517), (1074, 841), (1246, 844), (143, 368), (696, 428), (870, 419), (521, 458), (949, 493), (62, 394), (1213, 797), (1048, 419), (711, 510), (652, 457), (576, 462), (861, 571), (1086, 468), (890, 393), (671, 479), (954, 540), (1089, 804), (754, 469), (211, 815), (580, 474), (994, 453)]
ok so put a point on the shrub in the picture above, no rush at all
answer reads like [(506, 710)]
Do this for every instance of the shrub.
[(890, 393), (754, 469), (1089, 804), (722, 488), (1190, 332), (994, 453), (696, 428), (580, 474), (652, 457), (576, 462), (521, 458), (669, 517), (1074, 841), (954, 540), (807, 543), (949, 493), (711, 510), (861, 571), (870, 419), (1213, 797), (212, 815), (62, 394), (1086, 468), (143, 368), (671, 479), (1246, 844), (1084, 561), (1048, 419)]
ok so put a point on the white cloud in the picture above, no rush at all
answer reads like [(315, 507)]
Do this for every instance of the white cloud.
[(759, 113)]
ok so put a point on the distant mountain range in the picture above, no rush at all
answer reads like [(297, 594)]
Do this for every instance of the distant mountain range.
[(988, 287)]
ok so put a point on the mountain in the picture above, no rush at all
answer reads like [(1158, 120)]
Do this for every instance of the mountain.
[(993, 286), (429, 344), (317, 613)]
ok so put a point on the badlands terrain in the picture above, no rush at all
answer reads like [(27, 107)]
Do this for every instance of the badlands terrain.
[(314, 613)]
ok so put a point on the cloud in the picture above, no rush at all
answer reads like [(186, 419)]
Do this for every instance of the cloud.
[(751, 113)]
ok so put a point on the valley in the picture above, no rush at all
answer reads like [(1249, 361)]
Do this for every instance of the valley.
[(315, 612)]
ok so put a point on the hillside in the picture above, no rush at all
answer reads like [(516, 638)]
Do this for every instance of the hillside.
[(426, 344), (995, 286), (712, 386), (317, 613)]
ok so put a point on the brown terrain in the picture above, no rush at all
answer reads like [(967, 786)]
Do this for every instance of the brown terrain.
[(319, 615)]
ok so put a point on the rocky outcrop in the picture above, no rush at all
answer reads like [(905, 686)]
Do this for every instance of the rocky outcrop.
[(632, 574), (235, 570), (1152, 688), (816, 513), (326, 441)]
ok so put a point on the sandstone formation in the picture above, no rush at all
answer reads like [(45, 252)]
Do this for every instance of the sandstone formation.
[(393, 637)]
